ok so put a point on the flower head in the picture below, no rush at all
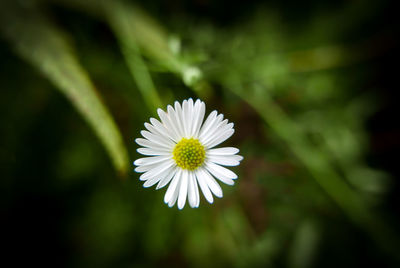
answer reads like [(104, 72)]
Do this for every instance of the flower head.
[(180, 152)]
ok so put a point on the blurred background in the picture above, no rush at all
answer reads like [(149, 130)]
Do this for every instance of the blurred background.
[(312, 87)]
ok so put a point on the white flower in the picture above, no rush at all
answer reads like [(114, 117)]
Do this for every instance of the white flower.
[(180, 150)]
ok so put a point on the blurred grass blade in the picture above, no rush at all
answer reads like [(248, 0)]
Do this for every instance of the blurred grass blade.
[(314, 160), (139, 33), (136, 27), (120, 20), (40, 43), (304, 246)]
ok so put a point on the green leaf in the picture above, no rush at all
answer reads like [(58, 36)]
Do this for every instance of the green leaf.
[(40, 43)]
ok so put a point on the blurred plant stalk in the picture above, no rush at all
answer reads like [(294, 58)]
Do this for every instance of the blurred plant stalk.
[(119, 20)]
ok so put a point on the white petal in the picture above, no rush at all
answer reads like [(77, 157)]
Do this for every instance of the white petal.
[(151, 160), (179, 119), (223, 151), (204, 187), (161, 128), (160, 131), (215, 131), (167, 123), (151, 128), (157, 171), (206, 123), (149, 151), (219, 174), (190, 117), (172, 186), (145, 168), (218, 130), (183, 189), (199, 117), (158, 139), (211, 126), (192, 190), (210, 181), (185, 116), (164, 181), (174, 197), (224, 171), (175, 121), (196, 189), (220, 139), (195, 108), (149, 144), (225, 160), (154, 180), (151, 182)]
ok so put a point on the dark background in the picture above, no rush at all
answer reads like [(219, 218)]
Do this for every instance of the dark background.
[(331, 67)]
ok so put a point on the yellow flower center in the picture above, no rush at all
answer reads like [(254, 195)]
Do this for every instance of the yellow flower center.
[(189, 153)]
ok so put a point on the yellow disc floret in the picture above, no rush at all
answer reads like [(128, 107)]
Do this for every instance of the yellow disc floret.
[(189, 153)]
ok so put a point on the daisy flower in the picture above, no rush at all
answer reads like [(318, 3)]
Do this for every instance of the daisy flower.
[(181, 153)]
